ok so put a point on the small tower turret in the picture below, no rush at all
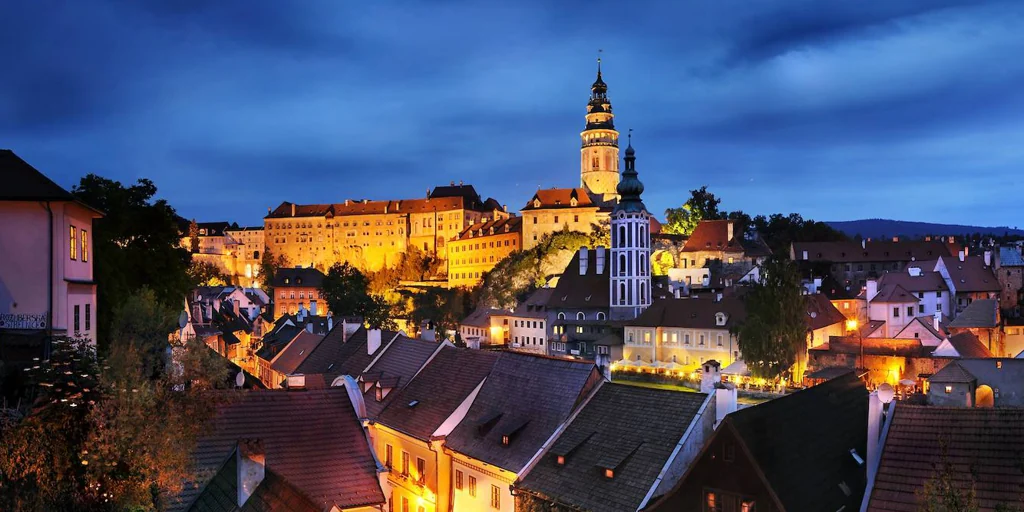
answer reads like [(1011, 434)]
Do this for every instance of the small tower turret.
[(631, 245)]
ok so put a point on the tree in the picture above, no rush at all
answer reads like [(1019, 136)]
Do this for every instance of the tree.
[(943, 493), (780, 231), (204, 273), (112, 433), (346, 291), (702, 205), (445, 307), (193, 236), (773, 338), (136, 244), (269, 263)]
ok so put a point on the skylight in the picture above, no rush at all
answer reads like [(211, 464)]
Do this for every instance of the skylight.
[(414, 403)]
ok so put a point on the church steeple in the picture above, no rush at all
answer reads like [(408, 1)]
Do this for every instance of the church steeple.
[(599, 155), (630, 187), (630, 292)]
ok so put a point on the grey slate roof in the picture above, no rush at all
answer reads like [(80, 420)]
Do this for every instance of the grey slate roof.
[(1010, 257), (396, 366), (295, 352), (273, 494), (335, 356), (22, 182), (979, 313), (419, 408), (636, 429), (953, 373), (525, 398), (299, 277), (1004, 374)]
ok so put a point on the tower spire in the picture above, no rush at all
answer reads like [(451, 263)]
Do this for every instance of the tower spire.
[(630, 187)]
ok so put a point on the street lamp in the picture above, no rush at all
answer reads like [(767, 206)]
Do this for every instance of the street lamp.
[(851, 325)]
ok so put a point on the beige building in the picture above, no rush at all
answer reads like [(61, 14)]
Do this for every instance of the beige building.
[(557, 209), (374, 234), (686, 332), (481, 246)]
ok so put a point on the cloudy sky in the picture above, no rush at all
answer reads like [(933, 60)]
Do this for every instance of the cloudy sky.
[(837, 110)]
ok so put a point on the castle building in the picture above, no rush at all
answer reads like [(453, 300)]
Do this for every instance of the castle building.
[(590, 204), (373, 234), (481, 246), (631, 247)]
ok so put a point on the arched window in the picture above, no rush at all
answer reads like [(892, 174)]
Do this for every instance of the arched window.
[(643, 294), (622, 264), (581, 316), (600, 315), (622, 236), (622, 293), (561, 316)]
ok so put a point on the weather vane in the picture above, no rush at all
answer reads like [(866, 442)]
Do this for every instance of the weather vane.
[(629, 136)]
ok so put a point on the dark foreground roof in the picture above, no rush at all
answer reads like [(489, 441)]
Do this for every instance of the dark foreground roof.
[(985, 445), (312, 439), (545, 392), (630, 428), (273, 494), (336, 356), (22, 182)]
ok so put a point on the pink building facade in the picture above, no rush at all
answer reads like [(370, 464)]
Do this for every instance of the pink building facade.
[(46, 260)]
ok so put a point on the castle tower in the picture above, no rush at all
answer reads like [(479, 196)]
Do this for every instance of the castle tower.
[(631, 246), (599, 154)]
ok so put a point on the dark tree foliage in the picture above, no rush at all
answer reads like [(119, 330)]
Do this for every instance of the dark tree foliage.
[(445, 307), (774, 335), (702, 205), (269, 263), (136, 244), (204, 273), (780, 231), (193, 236), (347, 292)]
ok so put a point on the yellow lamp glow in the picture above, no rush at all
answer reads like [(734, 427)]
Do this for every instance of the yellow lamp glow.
[(851, 325)]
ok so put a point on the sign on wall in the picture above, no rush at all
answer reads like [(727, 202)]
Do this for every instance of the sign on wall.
[(22, 321)]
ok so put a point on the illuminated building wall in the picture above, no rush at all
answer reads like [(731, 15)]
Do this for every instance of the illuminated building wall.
[(479, 486), (683, 346), (481, 246), (413, 490)]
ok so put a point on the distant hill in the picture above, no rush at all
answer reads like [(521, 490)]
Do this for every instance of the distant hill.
[(879, 228)]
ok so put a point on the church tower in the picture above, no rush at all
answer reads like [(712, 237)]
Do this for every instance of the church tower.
[(631, 246), (599, 154)]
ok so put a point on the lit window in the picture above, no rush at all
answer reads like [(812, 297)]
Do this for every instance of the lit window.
[(458, 479), (405, 463), (609, 473), (472, 486), (388, 456), (495, 497), (85, 245), (74, 244), (949, 389)]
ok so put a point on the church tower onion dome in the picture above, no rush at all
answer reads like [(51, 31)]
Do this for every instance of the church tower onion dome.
[(630, 188)]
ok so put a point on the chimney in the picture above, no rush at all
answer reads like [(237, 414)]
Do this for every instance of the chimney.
[(452, 183), (710, 375), (309, 327), (728, 237), (330, 324), (805, 255), (927, 238), (312, 308), (863, 244), (600, 259), (874, 433), (252, 467), (988, 258), (895, 239), (268, 210), (604, 363), (725, 401), (718, 298), (584, 261), (935, 320), (372, 341), (872, 289), (961, 255), (293, 209), (301, 315)]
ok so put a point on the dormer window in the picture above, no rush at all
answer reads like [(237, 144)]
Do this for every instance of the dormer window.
[(720, 319), (573, 201), (560, 460), (287, 280), (536, 203), (609, 473), (504, 440)]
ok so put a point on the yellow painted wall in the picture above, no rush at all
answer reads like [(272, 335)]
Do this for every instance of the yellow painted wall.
[(435, 475)]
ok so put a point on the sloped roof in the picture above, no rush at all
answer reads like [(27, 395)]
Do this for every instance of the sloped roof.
[(500, 227), (582, 292), (821, 312), (979, 313), (780, 433), (713, 235), (692, 313), (297, 350), (401, 360), (970, 275), (1010, 257), (633, 428), (927, 281), (439, 388), (305, 277), (531, 396), (535, 306), (453, 190), (273, 494), (336, 356), (894, 294), (481, 317), (312, 439), (954, 373), (366, 207), (561, 198), (985, 444), (926, 323), (850, 251), (910, 347), (1005, 374), (967, 344), (22, 182)]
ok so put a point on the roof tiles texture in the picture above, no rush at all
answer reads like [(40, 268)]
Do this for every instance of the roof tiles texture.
[(312, 439), (273, 494), (875, 251), (632, 427), (692, 313), (22, 182), (821, 312), (545, 392), (336, 356), (983, 445), (418, 409), (979, 313), (586, 291), (299, 277), (967, 345), (970, 275), (297, 351), (498, 226), (395, 367), (781, 433), (560, 198)]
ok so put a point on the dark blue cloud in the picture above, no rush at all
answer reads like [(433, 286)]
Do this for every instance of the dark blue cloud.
[(836, 110)]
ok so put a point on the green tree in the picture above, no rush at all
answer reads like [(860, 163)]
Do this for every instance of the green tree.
[(136, 244), (773, 337), (445, 307), (193, 237), (112, 433), (346, 291), (702, 205), (204, 273), (269, 263)]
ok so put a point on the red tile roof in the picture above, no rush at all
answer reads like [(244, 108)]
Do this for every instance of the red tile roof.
[(875, 346), (560, 198), (692, 313), (289, 359), (365, 207), (312, 439), (875, 251), (927, 281), (821, 312), (894, 293), (713, 235), (499, 226), (971, 275), (439, 388), (985, 446), (967, 344)]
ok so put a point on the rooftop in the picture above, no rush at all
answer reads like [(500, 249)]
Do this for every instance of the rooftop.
[(305, 277), (582, 291), (970, 275), (850, 251), (692, 313), (979, 313), (548, 198)]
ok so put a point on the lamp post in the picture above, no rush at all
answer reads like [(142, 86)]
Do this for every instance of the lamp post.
[(852, 325)]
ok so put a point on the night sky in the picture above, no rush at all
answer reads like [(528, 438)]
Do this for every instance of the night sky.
[(836, 110)]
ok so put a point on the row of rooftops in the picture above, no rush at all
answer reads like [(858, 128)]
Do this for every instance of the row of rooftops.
[(455, 197)]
